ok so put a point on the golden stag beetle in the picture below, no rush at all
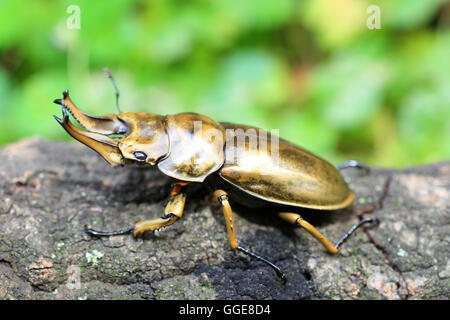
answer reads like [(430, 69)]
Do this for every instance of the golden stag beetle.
[(237, 161)]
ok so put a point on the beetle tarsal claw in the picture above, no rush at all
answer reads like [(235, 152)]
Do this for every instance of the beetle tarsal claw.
[(278, 271), (353, 164), (370, 220), (102, 233)]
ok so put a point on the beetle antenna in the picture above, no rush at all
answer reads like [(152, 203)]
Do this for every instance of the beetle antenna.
[(109, 75)]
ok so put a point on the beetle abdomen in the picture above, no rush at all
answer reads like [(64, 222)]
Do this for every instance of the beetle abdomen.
[(280, 172)]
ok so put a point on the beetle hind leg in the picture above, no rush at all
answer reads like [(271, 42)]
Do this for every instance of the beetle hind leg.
[(222, 197), (105, 233), (296, 219), (354, 228)]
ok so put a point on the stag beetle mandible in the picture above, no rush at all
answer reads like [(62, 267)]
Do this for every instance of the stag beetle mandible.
[(234, 159)]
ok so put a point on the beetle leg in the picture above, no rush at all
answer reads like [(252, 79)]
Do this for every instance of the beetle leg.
[(103, 233), (354, 228), (172, 212), (222, 197), (296, 219), (353, 164)]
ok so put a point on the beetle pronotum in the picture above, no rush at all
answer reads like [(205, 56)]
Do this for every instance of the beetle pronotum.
[(294, 179)]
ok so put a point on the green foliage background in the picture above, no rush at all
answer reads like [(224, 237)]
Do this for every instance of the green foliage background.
[(311, 69)]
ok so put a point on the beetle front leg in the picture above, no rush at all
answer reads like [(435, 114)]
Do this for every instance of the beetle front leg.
[(172, 212), (222, 197), (296, 219)]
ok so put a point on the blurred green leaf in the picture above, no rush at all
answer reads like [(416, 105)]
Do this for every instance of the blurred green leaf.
[(348, 91), (404, 14), (311, 69), (247, 82)]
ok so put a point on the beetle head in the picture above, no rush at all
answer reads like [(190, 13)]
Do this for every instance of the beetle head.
[(119, 138)]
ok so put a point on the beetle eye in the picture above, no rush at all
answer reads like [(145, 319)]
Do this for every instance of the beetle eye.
[(140, 155)]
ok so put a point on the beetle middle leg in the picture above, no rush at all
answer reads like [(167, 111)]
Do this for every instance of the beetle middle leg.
[(296, 219), (172, 212), (222, 197)]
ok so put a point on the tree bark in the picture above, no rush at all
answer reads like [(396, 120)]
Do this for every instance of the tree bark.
[(50, 190)]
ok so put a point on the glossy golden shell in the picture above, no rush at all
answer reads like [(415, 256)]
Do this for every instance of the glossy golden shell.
[(294, 177), (196, 147)]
